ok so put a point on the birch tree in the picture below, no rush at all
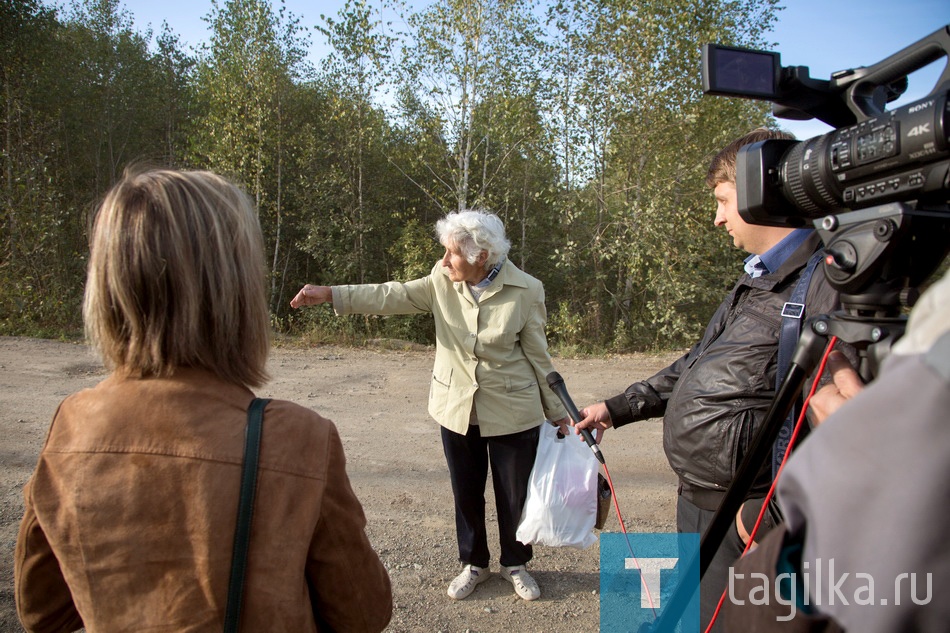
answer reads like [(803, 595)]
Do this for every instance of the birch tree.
[(356, 70), (462, 52), (246, 78)]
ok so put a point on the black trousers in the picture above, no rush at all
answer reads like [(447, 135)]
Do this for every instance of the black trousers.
[(692, 518), (511, 458)]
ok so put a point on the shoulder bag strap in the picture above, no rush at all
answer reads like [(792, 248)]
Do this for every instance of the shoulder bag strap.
[(242, 533), (792, 314)]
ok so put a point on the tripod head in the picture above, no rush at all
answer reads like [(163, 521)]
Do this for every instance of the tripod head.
[(876, 259)]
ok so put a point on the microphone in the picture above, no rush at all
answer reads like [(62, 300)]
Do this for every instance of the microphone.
[(556, 383)]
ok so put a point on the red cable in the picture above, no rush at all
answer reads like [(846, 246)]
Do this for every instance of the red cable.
[(623, 529), (788, 451)]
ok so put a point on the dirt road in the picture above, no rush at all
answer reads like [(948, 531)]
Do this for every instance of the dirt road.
[(377, 398)]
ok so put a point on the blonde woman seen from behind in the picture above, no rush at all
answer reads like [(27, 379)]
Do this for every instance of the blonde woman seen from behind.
[(130, 514)]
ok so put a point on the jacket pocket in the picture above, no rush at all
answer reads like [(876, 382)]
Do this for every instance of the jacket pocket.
[(439, 389), (520, 404), (771, 322), (514, 386), (497, 339), (740, 437)]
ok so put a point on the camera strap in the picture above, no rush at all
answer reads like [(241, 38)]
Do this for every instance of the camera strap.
[(792, 314)]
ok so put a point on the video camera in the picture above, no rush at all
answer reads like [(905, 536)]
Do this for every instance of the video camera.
[(893, 165), (874, 157)]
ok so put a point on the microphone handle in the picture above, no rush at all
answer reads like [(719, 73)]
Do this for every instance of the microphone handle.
[(557, 386)]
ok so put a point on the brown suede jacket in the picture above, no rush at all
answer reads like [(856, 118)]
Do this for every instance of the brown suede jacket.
[(130, 516)]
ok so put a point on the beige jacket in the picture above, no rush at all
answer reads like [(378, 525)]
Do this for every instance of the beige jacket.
[(492, 353), (130, 516)]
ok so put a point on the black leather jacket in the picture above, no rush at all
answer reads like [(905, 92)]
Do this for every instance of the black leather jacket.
[(714, 398)]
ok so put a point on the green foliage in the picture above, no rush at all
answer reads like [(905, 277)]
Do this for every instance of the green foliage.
[(570, 330), (68, 130), (635, 138), (586, 132)]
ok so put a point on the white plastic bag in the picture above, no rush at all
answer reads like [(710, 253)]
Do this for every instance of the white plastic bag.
[(562, 494)]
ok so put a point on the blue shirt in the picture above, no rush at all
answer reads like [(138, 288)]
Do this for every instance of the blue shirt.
[(772, 259)]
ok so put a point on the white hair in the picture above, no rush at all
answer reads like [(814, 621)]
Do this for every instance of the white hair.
[(475, 231)]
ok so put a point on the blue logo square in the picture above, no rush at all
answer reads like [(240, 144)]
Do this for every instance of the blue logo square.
[(638, 576)]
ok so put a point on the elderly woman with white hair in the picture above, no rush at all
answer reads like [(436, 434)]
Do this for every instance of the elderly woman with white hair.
[(488, 389)]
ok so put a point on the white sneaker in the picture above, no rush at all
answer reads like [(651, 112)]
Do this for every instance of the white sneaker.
[(465, 583), (524, 584)]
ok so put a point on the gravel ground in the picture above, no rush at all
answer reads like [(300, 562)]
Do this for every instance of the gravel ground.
[(377, 398)]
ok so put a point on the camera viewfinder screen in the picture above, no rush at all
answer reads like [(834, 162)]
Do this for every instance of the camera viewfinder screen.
[(745, 72)]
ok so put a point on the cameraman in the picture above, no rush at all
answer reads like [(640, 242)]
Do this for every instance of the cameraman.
[(867, 494), (714, 398)]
